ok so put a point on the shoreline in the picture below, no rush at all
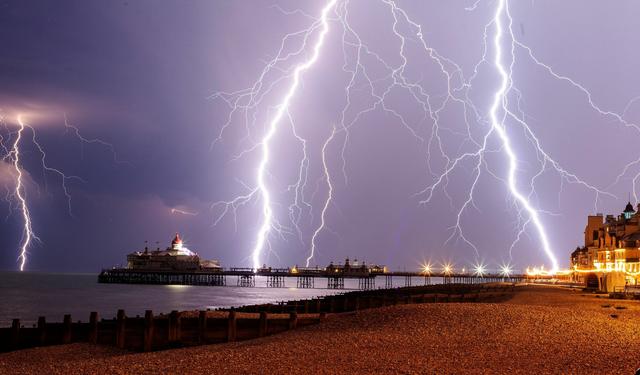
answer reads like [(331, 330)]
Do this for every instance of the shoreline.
[(541, 329), (192, 328)]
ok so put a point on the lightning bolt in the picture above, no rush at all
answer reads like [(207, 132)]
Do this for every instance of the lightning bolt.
[(83, 140), (282, 108), (329, 196), (499, 112), (183, 212), (255, 96), (497, 123), (20, 194), (483, 131), (13, 154)]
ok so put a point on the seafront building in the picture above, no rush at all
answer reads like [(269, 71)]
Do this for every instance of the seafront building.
[(610, 257), (176, 257), (355, 268)]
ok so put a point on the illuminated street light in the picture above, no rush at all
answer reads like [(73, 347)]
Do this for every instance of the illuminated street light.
[(479, 269)]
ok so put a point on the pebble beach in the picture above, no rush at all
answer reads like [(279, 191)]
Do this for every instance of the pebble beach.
[(541, 330)]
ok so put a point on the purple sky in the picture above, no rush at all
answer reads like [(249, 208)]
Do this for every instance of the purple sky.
[(139, 75)]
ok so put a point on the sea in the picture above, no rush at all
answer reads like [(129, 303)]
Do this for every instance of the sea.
[(29, 295)]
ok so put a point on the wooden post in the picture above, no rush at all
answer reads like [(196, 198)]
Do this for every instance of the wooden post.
[(42, 330), (357, 304), (15, 333), (262, 328), (306, 306), (231, 328), (293, 320), (147, 339), (332, 305), (345, 304), (66, 329), (202, 326), (93, 327), (174, 327), (318, 305), (322, 316), (120, 329)]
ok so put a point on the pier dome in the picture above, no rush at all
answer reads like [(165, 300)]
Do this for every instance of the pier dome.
[(176, 244), (178, 248)]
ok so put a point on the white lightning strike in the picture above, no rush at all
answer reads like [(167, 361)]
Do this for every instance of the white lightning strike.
[(183, 212), (20, 194), (501, 103), (13, 154), (109, 146), (497, 123), (498, 113), (247, 102), (267, 210), (480, 126), (329, 196)]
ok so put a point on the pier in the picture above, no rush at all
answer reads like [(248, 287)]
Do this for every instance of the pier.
[(304, 278)]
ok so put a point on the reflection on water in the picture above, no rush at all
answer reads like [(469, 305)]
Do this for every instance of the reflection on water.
[(29, 295)]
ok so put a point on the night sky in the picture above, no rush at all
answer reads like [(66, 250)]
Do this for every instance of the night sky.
[(140, 75)]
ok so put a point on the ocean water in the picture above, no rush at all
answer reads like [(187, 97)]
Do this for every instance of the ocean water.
[(29, 295)]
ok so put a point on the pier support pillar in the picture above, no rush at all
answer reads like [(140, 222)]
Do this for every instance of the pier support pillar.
[(366, 283), (335, 282), (407, 281), (427, 279), (246, 281), (306, 282), (275, 281)]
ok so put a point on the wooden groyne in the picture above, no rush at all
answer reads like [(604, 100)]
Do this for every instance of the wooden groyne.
[(178, 329)]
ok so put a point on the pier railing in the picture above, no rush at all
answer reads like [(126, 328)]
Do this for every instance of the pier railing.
[(177, 329)]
